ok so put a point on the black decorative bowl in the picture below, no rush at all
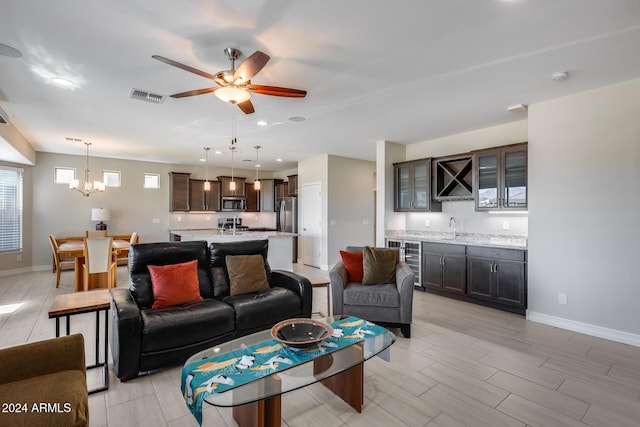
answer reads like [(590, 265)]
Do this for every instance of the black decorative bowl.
[(301, 332)]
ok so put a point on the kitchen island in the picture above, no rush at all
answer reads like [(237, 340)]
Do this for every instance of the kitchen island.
[(280, 243)]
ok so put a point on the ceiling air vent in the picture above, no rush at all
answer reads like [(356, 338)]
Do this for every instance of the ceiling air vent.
[(4, 117), (143, 95)]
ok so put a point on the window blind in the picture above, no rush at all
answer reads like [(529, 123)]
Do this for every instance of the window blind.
[(10, 209)]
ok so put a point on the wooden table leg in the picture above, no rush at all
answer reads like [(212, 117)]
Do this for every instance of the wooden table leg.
[(349, 384), (77, 273), (263, 413)]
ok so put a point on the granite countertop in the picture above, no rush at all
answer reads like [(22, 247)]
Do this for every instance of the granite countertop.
[(204, 232), (467, 239)]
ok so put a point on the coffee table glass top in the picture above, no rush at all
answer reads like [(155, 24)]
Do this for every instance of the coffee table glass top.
[(298, 376)]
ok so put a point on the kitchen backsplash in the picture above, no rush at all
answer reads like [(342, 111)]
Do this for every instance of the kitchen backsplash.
[(467, 221), (190, 220)]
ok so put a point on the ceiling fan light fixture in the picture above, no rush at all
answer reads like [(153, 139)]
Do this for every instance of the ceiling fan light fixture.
[(232, 94)]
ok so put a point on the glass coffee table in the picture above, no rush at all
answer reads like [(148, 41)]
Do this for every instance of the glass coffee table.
[(259, 402)]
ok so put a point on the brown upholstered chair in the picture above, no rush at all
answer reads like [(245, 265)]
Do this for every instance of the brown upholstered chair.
[(58, 263), (49, 372)]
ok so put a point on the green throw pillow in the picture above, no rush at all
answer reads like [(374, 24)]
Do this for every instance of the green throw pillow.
[(379, 265)]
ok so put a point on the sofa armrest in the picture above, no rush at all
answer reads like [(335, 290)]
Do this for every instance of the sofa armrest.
[(126, 333), (42, 357), (338, 277), (405, 281), (298, 284)]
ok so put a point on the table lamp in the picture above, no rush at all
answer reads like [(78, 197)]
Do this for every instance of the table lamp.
[(100, 214)]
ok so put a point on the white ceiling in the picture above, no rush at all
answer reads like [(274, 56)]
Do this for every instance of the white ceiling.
[(403, 70)]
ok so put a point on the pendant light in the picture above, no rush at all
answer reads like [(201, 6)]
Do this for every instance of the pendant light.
[(87, 186), (256, 183), (207, 184)]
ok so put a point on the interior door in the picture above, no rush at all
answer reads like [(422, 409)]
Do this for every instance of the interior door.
[(311, 225)]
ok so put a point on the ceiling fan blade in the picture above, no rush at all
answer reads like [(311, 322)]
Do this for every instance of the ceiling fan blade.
[(250, 67), (184, 67), (193, 92), (276, 91), (246, 107)]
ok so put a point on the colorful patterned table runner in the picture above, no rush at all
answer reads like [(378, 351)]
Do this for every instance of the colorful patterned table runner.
[(229, 370)]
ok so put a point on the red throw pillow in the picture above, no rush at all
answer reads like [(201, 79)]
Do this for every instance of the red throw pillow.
[(175, 284), (353, 264)]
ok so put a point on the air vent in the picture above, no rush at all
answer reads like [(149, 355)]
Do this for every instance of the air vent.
[(4, 117), (143, 95)]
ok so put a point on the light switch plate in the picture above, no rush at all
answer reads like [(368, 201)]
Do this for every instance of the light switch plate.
[(505, 225)]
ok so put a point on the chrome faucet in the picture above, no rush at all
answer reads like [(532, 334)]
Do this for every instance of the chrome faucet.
[(452, 220)]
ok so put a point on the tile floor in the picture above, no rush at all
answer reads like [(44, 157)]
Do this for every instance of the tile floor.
[(465, 365)]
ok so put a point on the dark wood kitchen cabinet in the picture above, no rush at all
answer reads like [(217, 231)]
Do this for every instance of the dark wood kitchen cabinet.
[(253, 198), (178, 191), (225, 186), (292, 187), (412, 187), (500, 178), (201, 200), (444, 267), (497, 275)]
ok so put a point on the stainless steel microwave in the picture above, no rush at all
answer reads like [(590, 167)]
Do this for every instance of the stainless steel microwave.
[(234, 204)]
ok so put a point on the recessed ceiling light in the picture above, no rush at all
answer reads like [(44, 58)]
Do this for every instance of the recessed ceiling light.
[(61, 81), (278, 160), (217, 152), (297, 119), (258, 166), (262, 123), (559, 76), (203, 160)]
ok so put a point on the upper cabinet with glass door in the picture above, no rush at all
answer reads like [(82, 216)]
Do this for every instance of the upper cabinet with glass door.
[(500, 178), (412, 187)]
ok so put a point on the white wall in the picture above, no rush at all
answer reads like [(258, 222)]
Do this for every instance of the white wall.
[(351, 206), (584, 204)]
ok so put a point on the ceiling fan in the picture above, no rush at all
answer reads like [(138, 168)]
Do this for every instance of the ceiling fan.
[(234, 86)]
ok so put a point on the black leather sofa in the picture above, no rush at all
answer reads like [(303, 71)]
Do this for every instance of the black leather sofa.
[(145, 339)]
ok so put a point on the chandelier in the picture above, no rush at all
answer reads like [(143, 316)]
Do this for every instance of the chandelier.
[(87, 186)]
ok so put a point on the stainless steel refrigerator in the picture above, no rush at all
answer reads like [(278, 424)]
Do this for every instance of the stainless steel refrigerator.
[(288, 220)]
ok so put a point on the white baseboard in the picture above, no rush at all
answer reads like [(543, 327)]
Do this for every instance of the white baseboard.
[(17, 271), (46, 267), (585, 328)]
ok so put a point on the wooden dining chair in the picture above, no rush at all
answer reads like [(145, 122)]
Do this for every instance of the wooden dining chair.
[(58, 262), (98, 256), (97, 233), (124, 255)]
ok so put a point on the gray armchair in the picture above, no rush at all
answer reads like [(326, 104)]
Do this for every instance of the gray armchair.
[(389, 304)]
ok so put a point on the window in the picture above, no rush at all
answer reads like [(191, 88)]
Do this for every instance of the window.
[(151, 180), (111, 178), (64, 175), (10, 209)]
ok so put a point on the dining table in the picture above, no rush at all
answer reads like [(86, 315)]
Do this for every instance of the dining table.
[(75, 249)]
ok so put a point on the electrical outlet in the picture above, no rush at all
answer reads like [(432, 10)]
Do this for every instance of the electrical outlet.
[(155, 220), (365, 221), (19, 257), (333, 222), (505, 225), (179, 219), (562, 299), (208, 218), (427, 222)]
